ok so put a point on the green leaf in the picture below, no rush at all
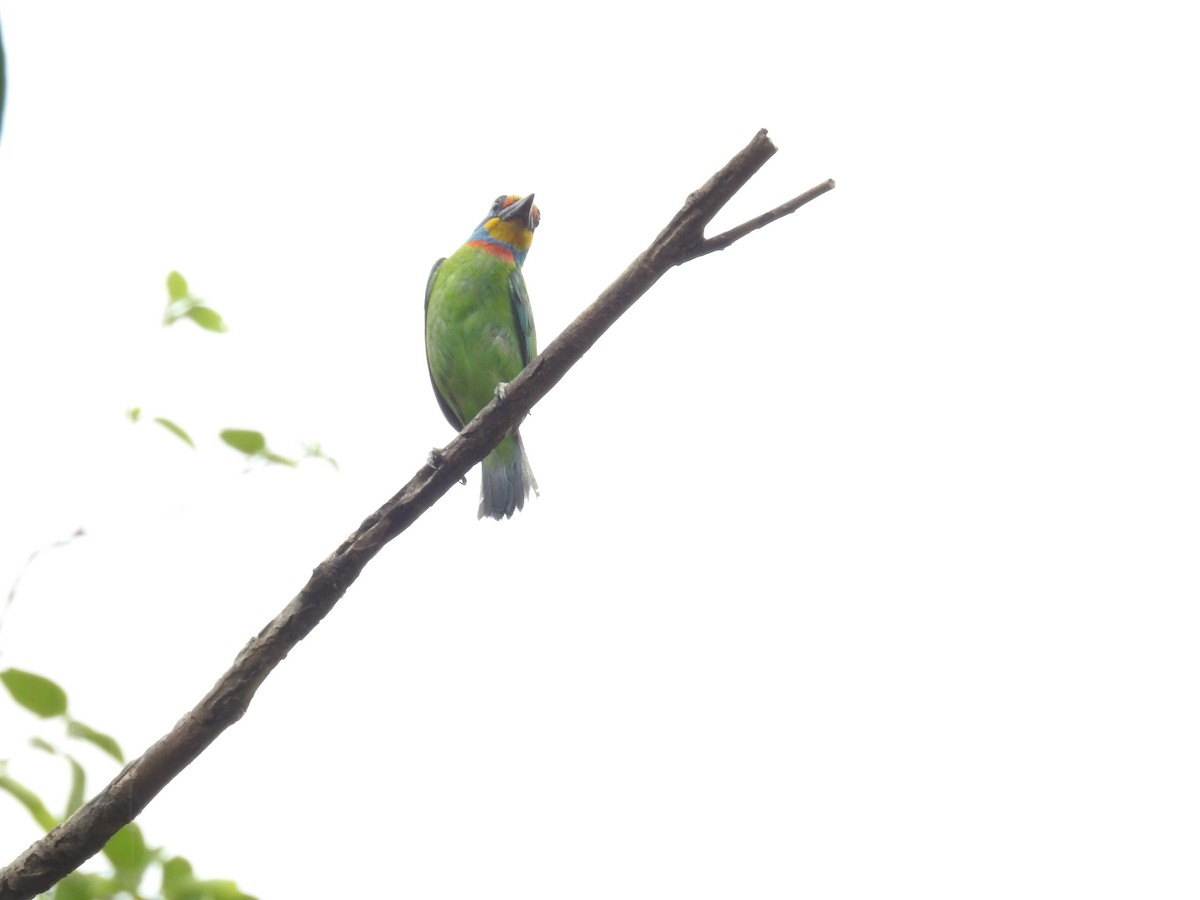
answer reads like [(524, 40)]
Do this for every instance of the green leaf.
[(177, 287), (74, 887), (85, 886), (78, 786), (279, 460), (253, 443), (249, 442), (179, 883), (37, 694), (181, 304), (39, 744), (126, 850), (220, 889), (207, 318), (175, 430), (31, 801), (177, 309), (101, 740), (134, 414), (177, 879)]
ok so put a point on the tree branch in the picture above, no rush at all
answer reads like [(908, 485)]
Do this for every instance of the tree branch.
[(725, 238), (84, 833)]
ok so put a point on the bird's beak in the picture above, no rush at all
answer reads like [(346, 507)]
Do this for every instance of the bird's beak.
[(521, 211)]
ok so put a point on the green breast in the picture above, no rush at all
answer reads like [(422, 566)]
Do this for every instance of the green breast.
[(471, 333)]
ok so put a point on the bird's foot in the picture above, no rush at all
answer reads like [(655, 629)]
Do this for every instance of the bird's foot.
[(502, 390), (435, 461)]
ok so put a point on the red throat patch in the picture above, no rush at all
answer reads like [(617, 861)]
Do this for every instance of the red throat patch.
[(495, 249)]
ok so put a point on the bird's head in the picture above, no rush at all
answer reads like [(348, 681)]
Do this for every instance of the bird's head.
[(510, 224)]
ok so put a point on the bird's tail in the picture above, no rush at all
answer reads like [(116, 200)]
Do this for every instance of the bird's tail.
[(507, 479)]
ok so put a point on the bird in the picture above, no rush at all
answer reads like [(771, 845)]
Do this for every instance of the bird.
[(479, 335)]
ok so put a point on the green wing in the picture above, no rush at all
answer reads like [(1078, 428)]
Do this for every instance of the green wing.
[(449, 413), (526, 333), (1, 81), (429, 284)]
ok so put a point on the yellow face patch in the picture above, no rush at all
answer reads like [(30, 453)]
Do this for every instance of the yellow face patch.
[(515, 234)]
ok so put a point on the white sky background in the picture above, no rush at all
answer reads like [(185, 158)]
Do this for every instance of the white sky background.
[(865, 561)]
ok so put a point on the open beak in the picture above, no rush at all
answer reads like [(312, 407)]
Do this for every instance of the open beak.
[(521, 211)]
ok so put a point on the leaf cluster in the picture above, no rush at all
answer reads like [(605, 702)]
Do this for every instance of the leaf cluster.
[(183, 304), (132, 861)]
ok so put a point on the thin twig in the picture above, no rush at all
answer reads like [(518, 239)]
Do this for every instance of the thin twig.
[(16, 583), (74, 841), (725, 238)]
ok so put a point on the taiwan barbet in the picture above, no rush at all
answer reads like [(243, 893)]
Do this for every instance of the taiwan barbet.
[(479, 334)]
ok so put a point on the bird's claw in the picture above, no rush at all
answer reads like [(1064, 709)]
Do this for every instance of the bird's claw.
[(435, 461), (502, 390)]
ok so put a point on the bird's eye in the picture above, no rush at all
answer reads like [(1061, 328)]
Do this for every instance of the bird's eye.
[(499, 204), (535, 218)]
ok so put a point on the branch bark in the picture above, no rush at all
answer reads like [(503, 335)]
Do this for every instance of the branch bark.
[(70, 844)]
